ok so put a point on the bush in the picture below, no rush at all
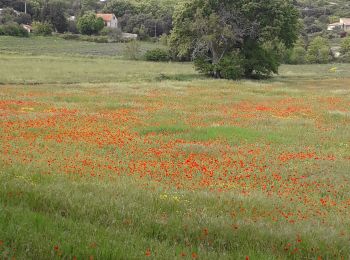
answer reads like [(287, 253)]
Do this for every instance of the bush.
[(13, 29), (89, 24), (164, 40), (113, 34), (319, 51), (23, 18), (98, 39), (345, 46), (8, 15), (70, 36), (43, 29), (157, 55), (229, 67), (132, 50), (72, 27), (345, 58), (297, 55), (87, 38)]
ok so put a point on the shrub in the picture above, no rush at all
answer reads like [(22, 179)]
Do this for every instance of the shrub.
[(23, 18), (72, 27), (70, 36), (98, 39), (132, 50), (229, 67), (8, 15), (164, 39), (345, 50), (345, 46), (113, 34), (157, 55), (89, 24), (345, 58), (319, 51), (297, 55), (87, 38), (43, 29), (13, 29)]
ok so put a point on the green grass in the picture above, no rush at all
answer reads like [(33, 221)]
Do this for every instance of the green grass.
[(69, 70), (113, 161), (55, 46)]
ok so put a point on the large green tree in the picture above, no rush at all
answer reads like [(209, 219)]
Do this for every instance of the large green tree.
[(234, 38), (53, 12), (89, 24)]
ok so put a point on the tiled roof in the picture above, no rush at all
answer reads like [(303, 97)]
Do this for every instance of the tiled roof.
[(105, 17)]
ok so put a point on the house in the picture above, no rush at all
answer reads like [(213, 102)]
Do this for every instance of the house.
[(343, 24), (110, 20)]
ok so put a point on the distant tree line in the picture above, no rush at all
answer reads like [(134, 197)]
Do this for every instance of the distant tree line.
[(147, 18)]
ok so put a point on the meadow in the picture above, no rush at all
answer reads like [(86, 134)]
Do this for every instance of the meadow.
[(104, 158)]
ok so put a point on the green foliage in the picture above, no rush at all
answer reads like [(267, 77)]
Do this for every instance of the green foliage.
[(89, 24), (297, 55), (72, 27), (120, 7), (54, 13), (345, 50), (43, 29), (157, 55), (132, 50), (259, 60), (13, 29), (164, 39), (7, 15), (23, 18), (113, 34), (210, 31), (345, 46), (230, 67), (319, 51), (87, 38), (147, 18)]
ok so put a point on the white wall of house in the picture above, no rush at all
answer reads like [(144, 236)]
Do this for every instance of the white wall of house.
[(113, 23)]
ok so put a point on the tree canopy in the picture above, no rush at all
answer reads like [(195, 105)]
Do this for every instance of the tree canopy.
[(89, 24), (240, 36)]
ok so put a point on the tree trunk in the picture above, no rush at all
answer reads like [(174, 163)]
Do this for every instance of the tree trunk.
[(215, 59)]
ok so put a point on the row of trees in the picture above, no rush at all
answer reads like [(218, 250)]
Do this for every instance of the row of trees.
[(147, 18), (317, 51)]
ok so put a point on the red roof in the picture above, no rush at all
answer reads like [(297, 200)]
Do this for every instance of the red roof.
[(105, 17)]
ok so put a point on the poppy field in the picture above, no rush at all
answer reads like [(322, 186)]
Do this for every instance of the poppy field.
[(171, 167)]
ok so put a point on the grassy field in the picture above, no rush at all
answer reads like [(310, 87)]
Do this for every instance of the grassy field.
[(102, 158), (56, 46)]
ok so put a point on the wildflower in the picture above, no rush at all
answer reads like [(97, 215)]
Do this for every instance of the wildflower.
[(194, 255), (205, 231), (148, 252)]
